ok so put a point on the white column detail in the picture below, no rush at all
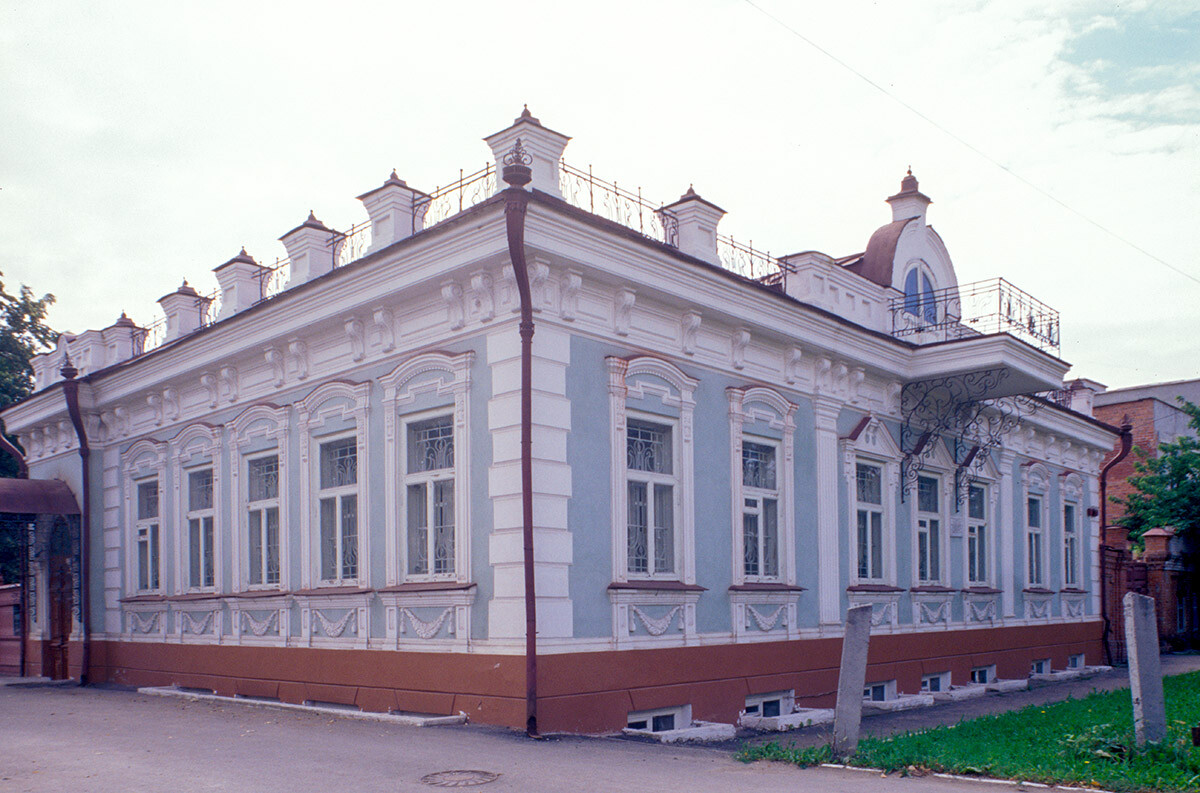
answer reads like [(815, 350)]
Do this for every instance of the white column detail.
[(552, 484), (829, 571), (1006, 525)]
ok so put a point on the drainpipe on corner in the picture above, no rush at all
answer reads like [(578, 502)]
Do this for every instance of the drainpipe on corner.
[(1126, 445), (22, 473), (71, 392), (517, 174)]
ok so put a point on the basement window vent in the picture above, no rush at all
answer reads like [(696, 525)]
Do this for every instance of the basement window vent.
[(880, 692), (982, 675), (931, 684), (1075, 661), (661, 719), (776, 703), (1040, 667)]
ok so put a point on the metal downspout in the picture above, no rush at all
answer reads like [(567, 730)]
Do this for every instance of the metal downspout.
[(1126, 445), (71, 392), (517, 173)]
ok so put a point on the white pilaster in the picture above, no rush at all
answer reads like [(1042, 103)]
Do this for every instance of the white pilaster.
[(829, 576), (551, 484), (1007, 527)]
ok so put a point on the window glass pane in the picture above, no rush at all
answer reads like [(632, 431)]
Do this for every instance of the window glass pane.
[(928, 301), (912, 294), (1069, 518), (207, 540), (328, 539), (349, 536), (262, 479), (758, 465), (864, 550), (750, 543), (770, 537), (1035, 513), (869, 484), (200, 489), (935, 556), (972, 554), (664, 529), (194, 552), (923, 554), (443, 523), (418, 530), (254, 553), (143, 549), (147, 500), (876, 545), (648, 447), (927, 494), (981, 553), (273, 545), (154, 556), (339, 463), (638, 552), (976, 502), (431, 445)]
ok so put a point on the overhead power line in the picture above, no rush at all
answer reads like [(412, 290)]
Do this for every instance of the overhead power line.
[(966, 144)]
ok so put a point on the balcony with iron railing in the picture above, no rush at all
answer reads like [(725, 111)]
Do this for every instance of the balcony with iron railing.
[(976, 309)]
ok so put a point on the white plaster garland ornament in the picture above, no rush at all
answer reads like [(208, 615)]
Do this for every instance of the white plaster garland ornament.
[(765, 623), (982, 611), (189, 624), (423, 628), (260, 627), (142, 624), (655, 627), (333, 629)]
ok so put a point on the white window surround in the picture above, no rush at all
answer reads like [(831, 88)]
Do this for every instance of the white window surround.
[(142, 462), (640, 377), (934, 683), (982, 473), (1036, 485), (258, 424), (336, 400), (1071, 490), (982, 675), (759, 404), (787, 702), (924, 277), (937, 464), (401, 388), (871, 443), (204, 441)]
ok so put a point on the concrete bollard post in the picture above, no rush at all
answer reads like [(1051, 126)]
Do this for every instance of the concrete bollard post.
[(852, 677), (1145, 669)]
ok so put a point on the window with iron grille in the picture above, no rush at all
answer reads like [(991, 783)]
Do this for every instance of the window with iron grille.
[(760, 512), (977, 535), (200, 518), (338, 504), (1035, 545), (147, 531), (429, 497), (929, 530), (869, 534), (651, 483), (262, 520), (1070, 545)]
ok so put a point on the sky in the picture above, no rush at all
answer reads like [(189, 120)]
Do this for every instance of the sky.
[(142, 143)]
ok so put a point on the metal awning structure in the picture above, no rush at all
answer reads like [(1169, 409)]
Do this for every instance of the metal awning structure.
[(37, 497)]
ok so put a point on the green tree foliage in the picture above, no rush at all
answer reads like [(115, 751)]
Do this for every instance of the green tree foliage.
[(1168, 486), (23, 332)]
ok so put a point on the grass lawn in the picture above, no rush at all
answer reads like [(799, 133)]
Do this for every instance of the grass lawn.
[(1086, 742)]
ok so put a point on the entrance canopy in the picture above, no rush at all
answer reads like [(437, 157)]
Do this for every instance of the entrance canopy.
[(36, 497)]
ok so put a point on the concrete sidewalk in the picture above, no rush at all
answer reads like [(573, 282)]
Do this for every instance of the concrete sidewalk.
[(96, 740), (1039, 693)]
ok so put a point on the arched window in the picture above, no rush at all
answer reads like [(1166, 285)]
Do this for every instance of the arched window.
[(919, 297)]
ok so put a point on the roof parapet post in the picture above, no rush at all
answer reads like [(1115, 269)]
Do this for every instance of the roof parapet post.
[(184, 309), (910, 202), (122, 340), (698, 221), (309, 249), (392, 210), (241, 283), (544, 146)]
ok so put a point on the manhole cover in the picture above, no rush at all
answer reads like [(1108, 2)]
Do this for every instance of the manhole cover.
[(459, 778)]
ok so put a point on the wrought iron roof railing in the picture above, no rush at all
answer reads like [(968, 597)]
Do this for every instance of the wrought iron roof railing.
[(447, 201), (976, 309), (608, 200)]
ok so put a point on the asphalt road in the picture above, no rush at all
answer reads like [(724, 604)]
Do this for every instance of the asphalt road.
[(106, 740)]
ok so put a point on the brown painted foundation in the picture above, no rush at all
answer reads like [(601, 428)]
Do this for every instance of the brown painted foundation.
[(584, 692)]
